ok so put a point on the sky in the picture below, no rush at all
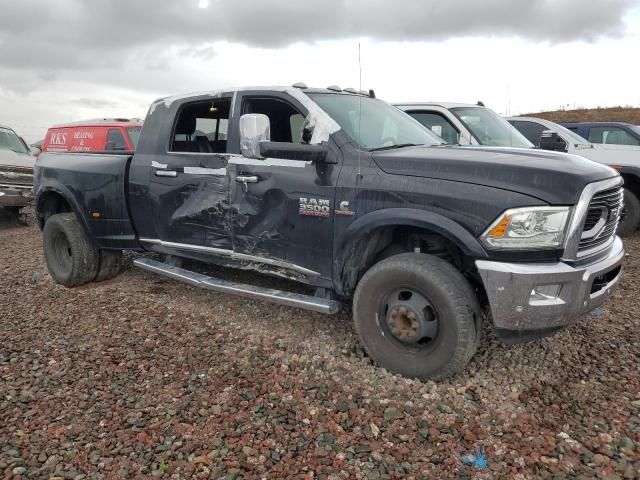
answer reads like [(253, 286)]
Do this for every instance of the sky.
[(70, 60)]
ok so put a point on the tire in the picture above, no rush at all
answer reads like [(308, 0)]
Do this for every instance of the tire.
[(631, 221), (451, 301), (71, 257), (110, 265)]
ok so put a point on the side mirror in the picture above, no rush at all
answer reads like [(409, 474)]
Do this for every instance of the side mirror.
[(254, 129), (550, 140)]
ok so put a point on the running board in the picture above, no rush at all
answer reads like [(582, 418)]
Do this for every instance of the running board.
[(306, 302)]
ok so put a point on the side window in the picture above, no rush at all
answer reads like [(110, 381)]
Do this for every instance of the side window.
[(531, 130), (612, 136), (115, 140), (438, 124), (287, 123), (202, 127)]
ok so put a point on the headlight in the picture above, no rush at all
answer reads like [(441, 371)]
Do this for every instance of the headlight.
[(528, 228)]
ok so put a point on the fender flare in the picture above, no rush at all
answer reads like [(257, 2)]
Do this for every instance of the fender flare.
[(66, 194), (363, 226)]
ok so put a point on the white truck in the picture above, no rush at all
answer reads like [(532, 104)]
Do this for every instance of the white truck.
[(16, 171), (548, 135), (466, 124)]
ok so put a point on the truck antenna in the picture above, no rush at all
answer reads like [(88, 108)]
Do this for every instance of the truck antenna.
[(360, 107)]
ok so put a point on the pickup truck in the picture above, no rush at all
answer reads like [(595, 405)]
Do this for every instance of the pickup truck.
[(608, 133), (348, 195), (548, 135), (16, 171), (466, 124)]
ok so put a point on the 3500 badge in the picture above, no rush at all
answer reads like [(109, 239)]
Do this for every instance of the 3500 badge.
[(315, 207)]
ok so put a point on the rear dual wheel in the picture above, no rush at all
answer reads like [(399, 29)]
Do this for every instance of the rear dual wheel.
[(416, 315), (71, 257)]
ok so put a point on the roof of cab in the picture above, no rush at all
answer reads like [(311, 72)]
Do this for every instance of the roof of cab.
[(591, 124)]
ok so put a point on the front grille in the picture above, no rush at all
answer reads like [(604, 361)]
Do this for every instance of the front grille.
[(602, 218), (10, 175)]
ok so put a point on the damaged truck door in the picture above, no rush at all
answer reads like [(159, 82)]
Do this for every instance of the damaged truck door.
[(282, 189), (187, 208)]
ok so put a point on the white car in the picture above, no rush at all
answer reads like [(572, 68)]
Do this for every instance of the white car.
[(548, 135), (16, 170)]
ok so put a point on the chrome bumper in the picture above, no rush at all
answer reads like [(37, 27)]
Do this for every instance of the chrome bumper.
[(509, 287), (15, 196)]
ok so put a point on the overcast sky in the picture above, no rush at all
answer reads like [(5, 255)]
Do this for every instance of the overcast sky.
[(68, 60)]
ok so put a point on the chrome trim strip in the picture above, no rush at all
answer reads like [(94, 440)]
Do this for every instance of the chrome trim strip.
[(230, 253), (307, 302), (572, 242)]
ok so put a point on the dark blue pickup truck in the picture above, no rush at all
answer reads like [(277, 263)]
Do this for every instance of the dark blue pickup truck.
[(609, 133), (352, 197)]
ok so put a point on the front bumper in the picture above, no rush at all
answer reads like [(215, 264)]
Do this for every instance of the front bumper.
[(583, 287), (11, 196)]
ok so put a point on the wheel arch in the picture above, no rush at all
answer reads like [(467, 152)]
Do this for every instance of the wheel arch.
[(53, 200), (370, 234)]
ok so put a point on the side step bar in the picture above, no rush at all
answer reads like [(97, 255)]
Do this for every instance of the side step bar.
[(307, 302)]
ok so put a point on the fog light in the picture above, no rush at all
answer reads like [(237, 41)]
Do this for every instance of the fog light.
[(544, 293)]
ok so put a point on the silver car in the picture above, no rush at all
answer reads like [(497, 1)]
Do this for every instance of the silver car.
[(16, 170)]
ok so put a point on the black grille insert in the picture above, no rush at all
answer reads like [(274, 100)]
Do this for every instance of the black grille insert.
[(602, 218)]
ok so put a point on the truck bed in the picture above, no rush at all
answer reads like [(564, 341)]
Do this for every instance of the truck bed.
[(97, 185)]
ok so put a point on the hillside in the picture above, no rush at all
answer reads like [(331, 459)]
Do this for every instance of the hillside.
[(614, 114)]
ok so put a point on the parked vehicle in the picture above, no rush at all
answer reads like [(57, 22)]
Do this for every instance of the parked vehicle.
[(350, 196), (466, 124), (101, 135), (611, 133), (16, 170), (547, 135)]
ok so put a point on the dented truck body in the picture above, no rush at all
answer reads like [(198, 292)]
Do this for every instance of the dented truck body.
[(307, 202)]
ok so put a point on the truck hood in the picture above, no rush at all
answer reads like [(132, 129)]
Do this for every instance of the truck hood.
[(555, 178), (12, 159)]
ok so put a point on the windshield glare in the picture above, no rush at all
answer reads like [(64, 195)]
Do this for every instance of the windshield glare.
[(572, 137), (10, 141), (373, 124), (491, 129)]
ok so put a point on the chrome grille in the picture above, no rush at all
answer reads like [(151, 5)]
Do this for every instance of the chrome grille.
[(602, 219)]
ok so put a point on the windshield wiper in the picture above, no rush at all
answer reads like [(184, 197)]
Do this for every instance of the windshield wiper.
[(393, 147)]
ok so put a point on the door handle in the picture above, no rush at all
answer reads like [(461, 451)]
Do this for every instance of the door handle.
[(247, 179), (166, 173)]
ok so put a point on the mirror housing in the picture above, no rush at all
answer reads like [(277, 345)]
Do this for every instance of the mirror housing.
[(550, 140), (295, 151), (255, 128)]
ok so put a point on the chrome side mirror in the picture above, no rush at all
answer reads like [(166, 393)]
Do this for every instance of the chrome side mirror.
[(255, 128)]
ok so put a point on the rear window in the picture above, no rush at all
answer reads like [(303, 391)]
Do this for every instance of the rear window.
[(10, 141)]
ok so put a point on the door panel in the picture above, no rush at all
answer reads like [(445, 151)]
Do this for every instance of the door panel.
[(286, 211)]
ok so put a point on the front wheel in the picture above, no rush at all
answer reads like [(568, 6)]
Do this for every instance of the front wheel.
[(416, 315)]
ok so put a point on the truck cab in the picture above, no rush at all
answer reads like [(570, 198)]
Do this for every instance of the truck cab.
[(607, 133), (356, 201), (466, 124)]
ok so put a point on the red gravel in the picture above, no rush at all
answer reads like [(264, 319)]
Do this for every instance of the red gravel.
[(144, 377)]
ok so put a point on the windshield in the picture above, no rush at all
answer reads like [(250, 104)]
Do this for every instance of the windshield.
[(134, 135), (373, 124), (491, 129), (10, 141)]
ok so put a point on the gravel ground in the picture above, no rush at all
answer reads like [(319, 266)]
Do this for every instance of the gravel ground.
[(142, 377)]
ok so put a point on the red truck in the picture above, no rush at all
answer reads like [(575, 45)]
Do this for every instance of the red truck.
[(102, 135)]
